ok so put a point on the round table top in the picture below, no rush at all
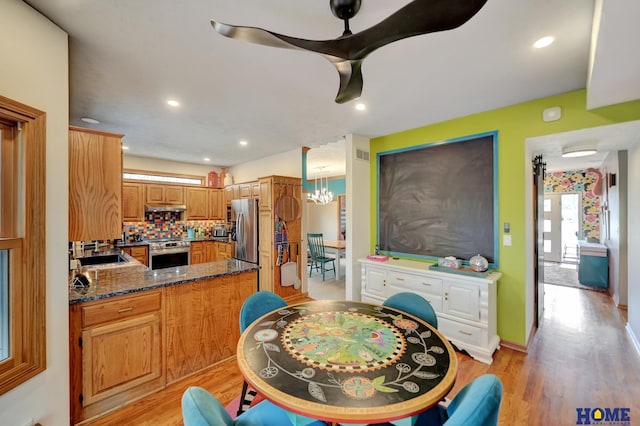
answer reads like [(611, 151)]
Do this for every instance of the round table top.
[(349, 362)]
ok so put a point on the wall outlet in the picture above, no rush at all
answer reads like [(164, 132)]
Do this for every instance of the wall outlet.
[(506, 240)]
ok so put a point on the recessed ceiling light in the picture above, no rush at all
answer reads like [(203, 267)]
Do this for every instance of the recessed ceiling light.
[(124, 147), (89, 120), (244, 143), (361, 107), (173, 103), (207, 159), (543, 42)]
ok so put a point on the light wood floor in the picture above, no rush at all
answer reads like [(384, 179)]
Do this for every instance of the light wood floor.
[(580, 357)]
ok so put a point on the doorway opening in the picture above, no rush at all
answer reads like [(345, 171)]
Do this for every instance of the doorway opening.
[(562, 226)]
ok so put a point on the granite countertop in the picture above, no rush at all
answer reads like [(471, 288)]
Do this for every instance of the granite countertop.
[(134, 278)]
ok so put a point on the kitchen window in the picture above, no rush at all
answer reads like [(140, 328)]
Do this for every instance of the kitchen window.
[(22, 242)]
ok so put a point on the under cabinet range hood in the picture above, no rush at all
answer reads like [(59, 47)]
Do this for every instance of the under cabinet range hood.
[(153, 208)]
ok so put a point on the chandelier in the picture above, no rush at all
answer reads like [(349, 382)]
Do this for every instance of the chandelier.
[(321, 195)]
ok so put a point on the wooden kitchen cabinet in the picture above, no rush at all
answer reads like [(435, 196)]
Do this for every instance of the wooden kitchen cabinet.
[(197, 254), (95, 185), (217, 207), (132, 202), (197, 201), (245, 190), (202, 322), (161, 194), (229, 194), (139, 253), (117, 352), (210, 251), (223, 250), (255, 190), (272, 189)]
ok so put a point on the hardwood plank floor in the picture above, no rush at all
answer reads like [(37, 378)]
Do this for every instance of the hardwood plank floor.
[(580, 357)]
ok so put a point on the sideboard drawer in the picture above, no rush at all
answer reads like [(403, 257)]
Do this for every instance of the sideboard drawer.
[(123, 307), (459, 331), (411, 282)]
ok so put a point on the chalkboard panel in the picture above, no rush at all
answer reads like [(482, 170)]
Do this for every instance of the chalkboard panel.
[(439, 199)]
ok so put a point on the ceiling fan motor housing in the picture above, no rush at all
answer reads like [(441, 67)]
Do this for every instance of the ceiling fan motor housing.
[(345, 9)]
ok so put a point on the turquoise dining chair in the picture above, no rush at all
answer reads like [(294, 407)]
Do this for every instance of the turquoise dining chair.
[(255, 306), (413, 304), (319, 260), (477, 404), (200, 408)]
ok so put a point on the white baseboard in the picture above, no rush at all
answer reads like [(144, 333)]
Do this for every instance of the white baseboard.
[(634, 338)]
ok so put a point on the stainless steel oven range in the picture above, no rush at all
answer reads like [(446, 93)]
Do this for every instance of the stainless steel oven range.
[(168, 253)]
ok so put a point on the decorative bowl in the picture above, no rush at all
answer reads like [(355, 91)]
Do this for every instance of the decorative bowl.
[(478, 263)]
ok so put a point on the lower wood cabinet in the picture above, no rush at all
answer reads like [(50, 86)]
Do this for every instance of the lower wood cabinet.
[(196, 253), (202, 322), (116, 352), (126, 347), (139, 253)]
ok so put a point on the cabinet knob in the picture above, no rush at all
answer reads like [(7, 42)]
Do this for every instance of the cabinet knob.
[(123, 310)]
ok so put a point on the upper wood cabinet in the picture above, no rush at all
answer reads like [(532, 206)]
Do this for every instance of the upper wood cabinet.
[(95, 185), (245, 190), (132, 202), (164, 194), (197, 203), (241, 190), (216, 204)]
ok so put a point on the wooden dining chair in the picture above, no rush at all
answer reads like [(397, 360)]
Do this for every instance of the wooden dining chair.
[(318, 258), (200, 408), (255, 306)]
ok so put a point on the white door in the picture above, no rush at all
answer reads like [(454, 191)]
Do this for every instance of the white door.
[(552, 228)]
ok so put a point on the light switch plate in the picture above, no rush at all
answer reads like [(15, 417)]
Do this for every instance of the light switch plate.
[(506, 240)]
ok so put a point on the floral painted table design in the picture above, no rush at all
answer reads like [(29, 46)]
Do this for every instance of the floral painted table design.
[(347, 362)]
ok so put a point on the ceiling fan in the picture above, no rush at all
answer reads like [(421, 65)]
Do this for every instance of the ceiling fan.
[(348, 51)]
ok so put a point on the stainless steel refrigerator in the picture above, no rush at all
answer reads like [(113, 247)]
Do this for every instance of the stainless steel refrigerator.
[(245, 232)]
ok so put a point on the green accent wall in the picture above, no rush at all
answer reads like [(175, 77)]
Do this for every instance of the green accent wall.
[(514, 124)]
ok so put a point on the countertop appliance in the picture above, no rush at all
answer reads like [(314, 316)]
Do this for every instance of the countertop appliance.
[(245, 216), (168, 252), (220, 230)]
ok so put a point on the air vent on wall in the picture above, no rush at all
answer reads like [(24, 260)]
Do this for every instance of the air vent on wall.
[(362, 154)]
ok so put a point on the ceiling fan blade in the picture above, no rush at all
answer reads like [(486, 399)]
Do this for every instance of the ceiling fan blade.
[(416, 18), (348, 52), (350, 80)]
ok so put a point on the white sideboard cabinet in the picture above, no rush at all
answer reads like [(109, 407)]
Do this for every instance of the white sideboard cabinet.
[(465, 305)]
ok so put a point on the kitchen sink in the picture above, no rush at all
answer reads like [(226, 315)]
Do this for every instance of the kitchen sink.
[(102, 259)]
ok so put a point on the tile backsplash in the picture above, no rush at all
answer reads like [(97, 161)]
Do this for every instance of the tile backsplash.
[(166, 225)]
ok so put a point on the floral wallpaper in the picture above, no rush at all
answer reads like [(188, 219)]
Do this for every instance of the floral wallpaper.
[(589, 183)]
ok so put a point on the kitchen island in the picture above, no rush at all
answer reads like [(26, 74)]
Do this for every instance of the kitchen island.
[(133, 331)]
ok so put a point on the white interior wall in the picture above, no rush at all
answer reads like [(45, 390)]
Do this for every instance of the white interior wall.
[(165, 166), (613, 199), (323, 219), (633, 226), (34, 71), (358, 213), (284, 164)]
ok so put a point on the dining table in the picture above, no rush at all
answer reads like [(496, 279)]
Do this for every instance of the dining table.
[(338, 248), (347, 362)]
